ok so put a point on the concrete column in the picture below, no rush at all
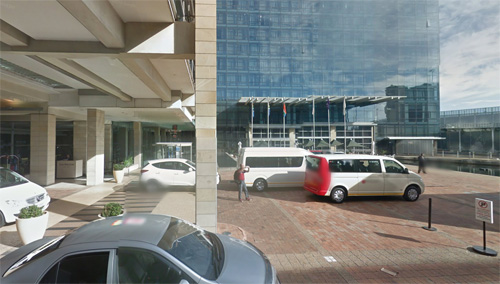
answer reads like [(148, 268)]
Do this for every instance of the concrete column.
[(333, 136), (492, 141), (206, 111), (95, 146), (80, 143), (291, 136), (138, 143), (43, 149), (108, 147)]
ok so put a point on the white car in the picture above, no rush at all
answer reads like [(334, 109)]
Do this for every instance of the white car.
[(16, 192), (169, 172)]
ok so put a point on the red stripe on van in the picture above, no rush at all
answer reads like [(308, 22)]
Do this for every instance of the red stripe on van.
[(318, 181)]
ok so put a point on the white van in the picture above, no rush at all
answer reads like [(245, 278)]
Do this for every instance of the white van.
[(274, 166), (340, 176)]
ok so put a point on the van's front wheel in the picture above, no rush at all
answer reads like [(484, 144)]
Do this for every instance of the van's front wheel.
[(260, 184), (338, 195)]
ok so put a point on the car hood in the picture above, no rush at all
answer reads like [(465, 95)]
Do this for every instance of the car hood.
[(243, 263), (22, 191)]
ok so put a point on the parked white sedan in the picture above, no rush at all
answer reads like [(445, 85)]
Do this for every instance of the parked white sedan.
[(16, 192), (169, 172)]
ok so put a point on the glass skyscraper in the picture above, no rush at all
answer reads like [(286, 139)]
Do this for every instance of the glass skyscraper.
[(301, 48)]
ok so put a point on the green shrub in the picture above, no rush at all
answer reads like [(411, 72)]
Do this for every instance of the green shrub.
[(119, 167), (30, 212), (128, 162), (112, 209)]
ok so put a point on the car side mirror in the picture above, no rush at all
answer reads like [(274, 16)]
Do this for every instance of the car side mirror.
[(406, 171), (190, 169)]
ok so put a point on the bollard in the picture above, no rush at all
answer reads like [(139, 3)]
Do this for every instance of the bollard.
[(429, 227)]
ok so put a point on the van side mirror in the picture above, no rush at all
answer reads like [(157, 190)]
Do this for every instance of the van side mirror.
[(190, 169), (406, 171)]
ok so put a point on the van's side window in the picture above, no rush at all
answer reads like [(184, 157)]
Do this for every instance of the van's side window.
[(393, 167), (343, 166), (370, 166), (354, 166), (274, 162)]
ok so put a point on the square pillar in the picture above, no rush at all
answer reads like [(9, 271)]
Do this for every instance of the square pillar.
[(80, 143), (95, 146), (206, 112), (138, 143), (43, 149), (108, 147)]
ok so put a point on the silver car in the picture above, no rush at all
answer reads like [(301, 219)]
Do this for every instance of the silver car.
[(138, 248)]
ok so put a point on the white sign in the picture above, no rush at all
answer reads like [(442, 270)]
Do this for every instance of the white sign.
[(484, 210)]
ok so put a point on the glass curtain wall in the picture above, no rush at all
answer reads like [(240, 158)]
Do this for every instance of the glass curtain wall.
[(298, 48)]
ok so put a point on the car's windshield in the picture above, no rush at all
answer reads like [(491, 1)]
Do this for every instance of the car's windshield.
[(10, 178), (199, 250), (191, 164)]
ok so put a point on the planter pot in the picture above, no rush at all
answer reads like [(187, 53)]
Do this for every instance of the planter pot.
[(32, 229), (100, 217), (118, 175)]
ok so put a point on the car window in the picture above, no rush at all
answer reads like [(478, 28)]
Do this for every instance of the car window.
[(182, 166), (165, 165), (79, 268), (10, 178), (393, 167), (141, 266), (199, 250), (369, 166)]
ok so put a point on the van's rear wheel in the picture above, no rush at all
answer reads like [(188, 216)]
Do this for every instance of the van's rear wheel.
[(260, 184), (411, 193), (338, 195)]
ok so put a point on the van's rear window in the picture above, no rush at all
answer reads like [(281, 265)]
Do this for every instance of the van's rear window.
[(274, 162), (312, 163)]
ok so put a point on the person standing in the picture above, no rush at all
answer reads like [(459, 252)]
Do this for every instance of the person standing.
[(421, 163), (241, 178)]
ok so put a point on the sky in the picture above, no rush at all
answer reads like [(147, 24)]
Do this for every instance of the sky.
[(470, 53)]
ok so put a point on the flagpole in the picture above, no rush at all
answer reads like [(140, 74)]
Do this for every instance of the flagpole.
[(268, 113), (253, 113), (284, 118), (345, 129), (329, 130), (314, 126)]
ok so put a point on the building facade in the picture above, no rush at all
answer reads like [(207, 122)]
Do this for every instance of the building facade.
[(322, 48)]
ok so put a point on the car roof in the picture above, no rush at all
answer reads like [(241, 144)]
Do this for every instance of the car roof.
[(148, 228), (352, 156), (167, 160)]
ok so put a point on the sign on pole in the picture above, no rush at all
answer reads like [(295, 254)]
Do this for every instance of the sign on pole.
[(484, 210)]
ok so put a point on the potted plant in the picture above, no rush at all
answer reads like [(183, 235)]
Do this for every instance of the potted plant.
[(31, 223), (111, 209), (118, 172), (128, 163)]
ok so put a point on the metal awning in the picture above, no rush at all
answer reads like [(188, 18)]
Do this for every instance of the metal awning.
[(351, 100)]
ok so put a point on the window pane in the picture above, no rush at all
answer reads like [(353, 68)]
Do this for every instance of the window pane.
[(81, 268)]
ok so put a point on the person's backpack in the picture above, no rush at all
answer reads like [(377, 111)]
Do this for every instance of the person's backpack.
[(236, 176)]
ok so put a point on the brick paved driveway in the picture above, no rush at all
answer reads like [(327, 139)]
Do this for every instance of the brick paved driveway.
[(297, 230)]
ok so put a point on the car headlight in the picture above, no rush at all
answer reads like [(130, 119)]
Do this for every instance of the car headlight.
[(15, 203)]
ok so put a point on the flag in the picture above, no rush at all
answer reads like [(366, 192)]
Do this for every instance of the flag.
[(268, 110), (284, 110), (253, 111), (328, 103)]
